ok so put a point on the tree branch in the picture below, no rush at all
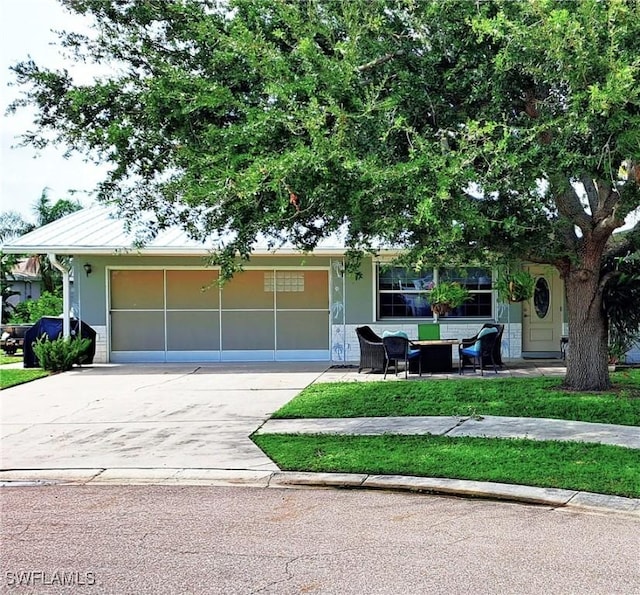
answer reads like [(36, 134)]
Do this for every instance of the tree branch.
[(592, 192), (605, 279), (630, 242), (379, 61), (568, 203)]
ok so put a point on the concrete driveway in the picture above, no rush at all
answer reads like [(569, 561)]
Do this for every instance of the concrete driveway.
[(183, 416)]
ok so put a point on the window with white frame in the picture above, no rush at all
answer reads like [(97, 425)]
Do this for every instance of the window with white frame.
[(404, 293)]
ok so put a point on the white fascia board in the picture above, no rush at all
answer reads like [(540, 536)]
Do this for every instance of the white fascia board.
[(98, 250)]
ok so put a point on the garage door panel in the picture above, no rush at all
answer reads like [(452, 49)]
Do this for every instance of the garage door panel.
[(247, 291), (193, 331), (137, 290), (302, 289), (248, 331), (189, 290), (303, 330), (137, 331)]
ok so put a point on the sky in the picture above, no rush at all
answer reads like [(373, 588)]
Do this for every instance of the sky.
[(25, 173)]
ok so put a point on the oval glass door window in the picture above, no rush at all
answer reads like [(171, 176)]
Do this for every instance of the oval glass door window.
[(542, 297)]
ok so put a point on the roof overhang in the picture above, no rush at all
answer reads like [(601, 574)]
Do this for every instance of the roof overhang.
[(97, 231)]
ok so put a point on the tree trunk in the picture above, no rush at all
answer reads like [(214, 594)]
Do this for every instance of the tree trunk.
[(587, 357)]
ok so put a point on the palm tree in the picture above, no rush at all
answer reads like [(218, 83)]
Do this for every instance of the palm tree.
[(13, 225), (46, 213)]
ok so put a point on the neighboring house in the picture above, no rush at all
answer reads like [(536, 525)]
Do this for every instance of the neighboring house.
[(161, 303), (25, 280)]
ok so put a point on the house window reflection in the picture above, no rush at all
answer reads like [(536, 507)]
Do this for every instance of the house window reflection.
[(404, 293)]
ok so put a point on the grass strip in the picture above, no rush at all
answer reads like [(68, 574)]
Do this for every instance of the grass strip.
[(13, 377), (9, 359), (580, 466), (517, 397)]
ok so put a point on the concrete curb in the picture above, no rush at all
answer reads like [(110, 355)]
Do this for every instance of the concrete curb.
[(555, 498)]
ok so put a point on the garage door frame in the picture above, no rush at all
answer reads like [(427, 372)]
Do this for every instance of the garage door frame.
[(220, 355)]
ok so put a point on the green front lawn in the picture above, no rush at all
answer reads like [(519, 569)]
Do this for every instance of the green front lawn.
[(586, 467), (9, 359), (13, 376), (513, 397)]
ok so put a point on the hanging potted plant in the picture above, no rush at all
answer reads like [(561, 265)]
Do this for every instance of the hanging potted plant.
[(447, 296), (517, 286)]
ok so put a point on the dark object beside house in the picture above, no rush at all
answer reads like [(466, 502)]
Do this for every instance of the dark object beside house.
[(52, 329), (371, 349), (481, 351), (497, 347), (15, 339), (397, 350)]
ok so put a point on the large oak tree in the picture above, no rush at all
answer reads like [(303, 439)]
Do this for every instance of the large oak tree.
[(460, 130)]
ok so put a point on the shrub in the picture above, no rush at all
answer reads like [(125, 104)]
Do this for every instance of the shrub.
[(60, 354), (31, 311), (620, 304)]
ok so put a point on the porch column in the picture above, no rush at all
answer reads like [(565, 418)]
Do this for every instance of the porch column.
[(66, 295)]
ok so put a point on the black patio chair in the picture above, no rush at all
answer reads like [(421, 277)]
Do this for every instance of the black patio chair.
[(497, 347), (371, 349), (480, 352), (397, 349)]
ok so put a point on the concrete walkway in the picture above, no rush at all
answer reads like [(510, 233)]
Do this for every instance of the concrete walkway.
[(483, 426), (190, 424)]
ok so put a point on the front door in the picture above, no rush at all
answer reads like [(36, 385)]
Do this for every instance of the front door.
[(542, 314)]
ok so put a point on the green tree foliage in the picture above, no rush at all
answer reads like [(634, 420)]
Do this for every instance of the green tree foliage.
[(46, 212), (7, 262), (621, 302), (30, 311), (449, 128), (12, 225)]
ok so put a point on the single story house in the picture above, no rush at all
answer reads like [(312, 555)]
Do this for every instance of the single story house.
[(162, 303), (25, 279)]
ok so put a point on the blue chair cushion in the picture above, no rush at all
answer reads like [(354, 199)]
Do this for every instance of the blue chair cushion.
[(471, 351), (413, 353), (485, 331), (395, 334)]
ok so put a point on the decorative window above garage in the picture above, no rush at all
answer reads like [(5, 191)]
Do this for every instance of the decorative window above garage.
[(285, 281)]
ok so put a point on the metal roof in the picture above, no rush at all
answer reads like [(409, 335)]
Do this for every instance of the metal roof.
[(97, 230)]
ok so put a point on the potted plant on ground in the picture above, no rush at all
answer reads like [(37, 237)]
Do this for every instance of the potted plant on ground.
[(616, 354), (446, 296), (516, 286)]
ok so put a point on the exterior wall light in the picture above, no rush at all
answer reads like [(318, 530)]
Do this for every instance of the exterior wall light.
[(87, 268)]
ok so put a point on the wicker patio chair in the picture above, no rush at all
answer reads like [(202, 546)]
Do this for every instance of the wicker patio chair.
[(480, 352), (371, 349), (397, 349), (497, 346)]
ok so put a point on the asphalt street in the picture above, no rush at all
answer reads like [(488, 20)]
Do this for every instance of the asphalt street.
[(181, 539)]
